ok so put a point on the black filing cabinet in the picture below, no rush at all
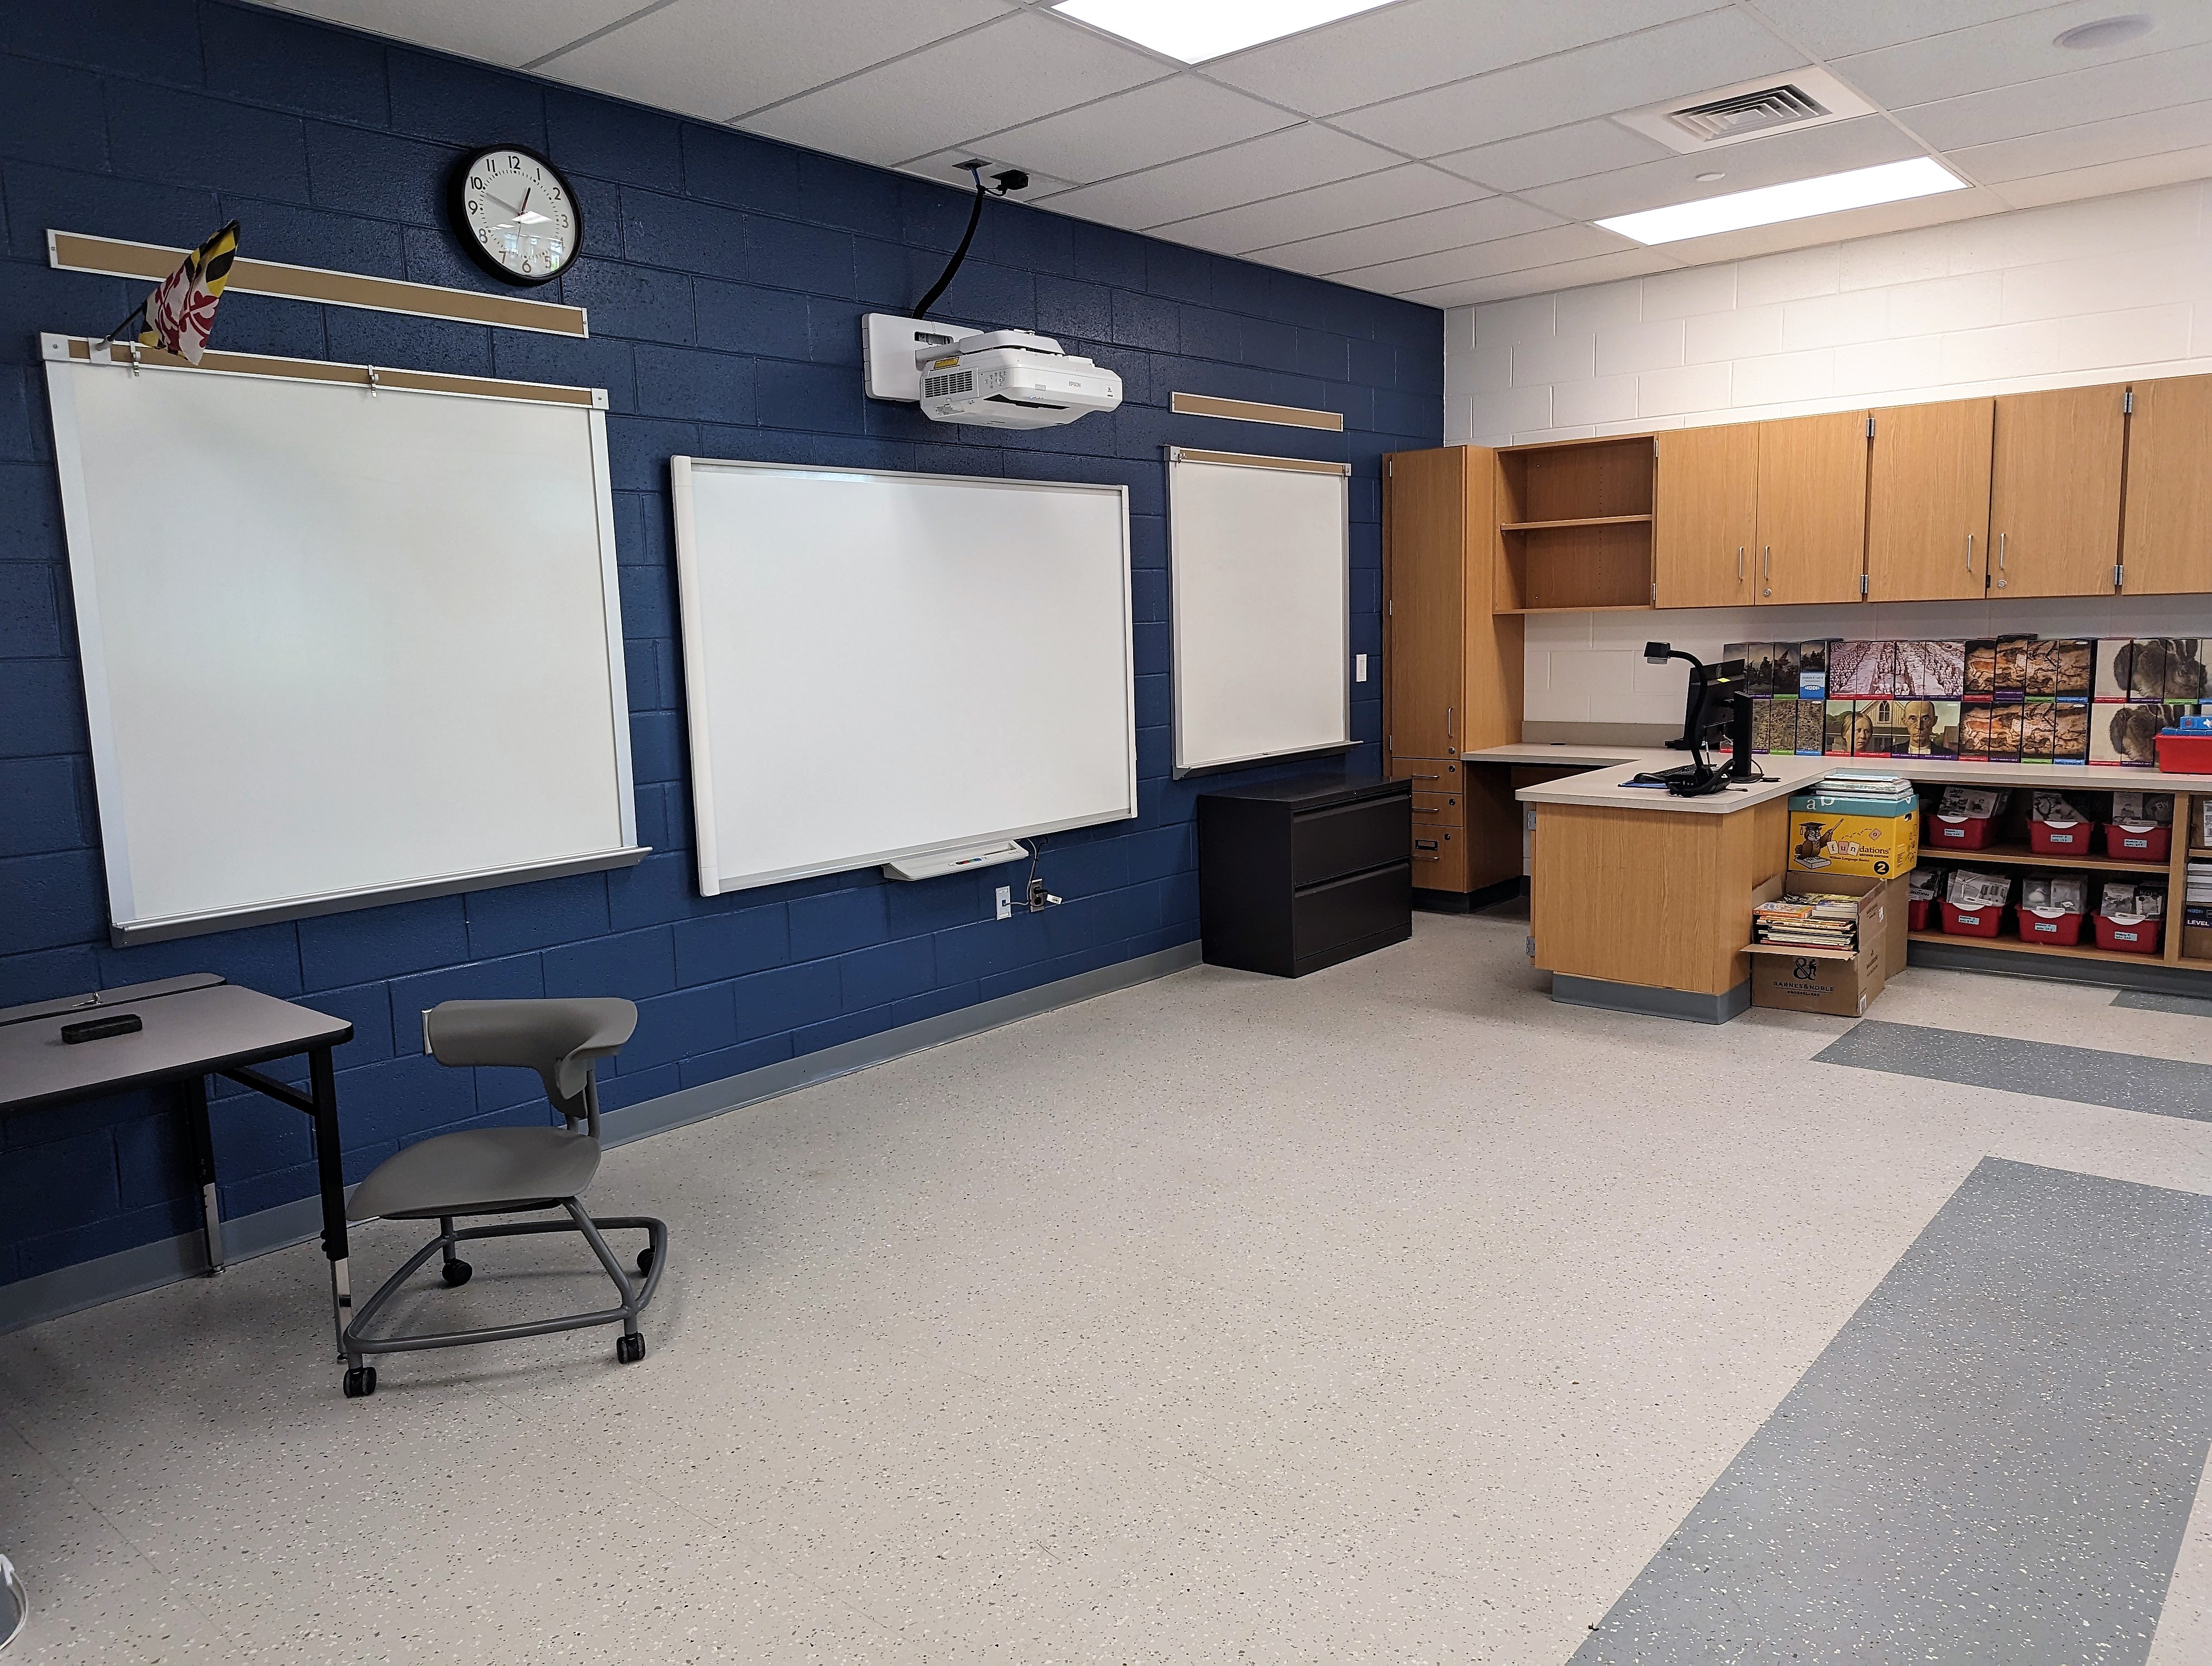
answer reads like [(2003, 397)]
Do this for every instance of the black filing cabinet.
[(1297, 875)]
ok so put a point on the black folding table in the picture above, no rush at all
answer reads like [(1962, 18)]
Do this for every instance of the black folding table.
[(192, 1027)]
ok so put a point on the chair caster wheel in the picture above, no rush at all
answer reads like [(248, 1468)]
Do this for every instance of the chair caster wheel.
[(457, 1273), (645, 1260), (629, 1349), (360, 1382)]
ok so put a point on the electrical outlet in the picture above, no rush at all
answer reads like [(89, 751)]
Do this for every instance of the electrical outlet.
[(1360, 668), (1005, 902)]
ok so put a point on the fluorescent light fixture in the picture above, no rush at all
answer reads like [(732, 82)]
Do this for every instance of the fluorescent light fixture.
[(1196, 30), (1831, 193)]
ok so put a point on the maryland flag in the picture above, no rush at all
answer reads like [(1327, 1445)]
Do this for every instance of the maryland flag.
[(179, 315)]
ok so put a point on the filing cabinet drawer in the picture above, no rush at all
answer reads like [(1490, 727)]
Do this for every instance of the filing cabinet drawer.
[(1347, 917), (1440, 857), (1347, 838), (1448, 807)]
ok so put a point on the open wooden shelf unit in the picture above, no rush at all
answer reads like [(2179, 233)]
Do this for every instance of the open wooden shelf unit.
[(1574, 525)]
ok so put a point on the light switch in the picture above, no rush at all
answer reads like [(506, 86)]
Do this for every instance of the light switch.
[(1360, 668)]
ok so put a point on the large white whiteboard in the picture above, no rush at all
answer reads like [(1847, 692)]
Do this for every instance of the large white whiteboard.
[(340, 645), (878, 665), (1260, 574)]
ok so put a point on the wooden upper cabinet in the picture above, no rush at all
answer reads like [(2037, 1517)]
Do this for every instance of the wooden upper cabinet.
[(2055, 492), (1705, 516), (1425, 531), (1927, 510), (1812, 509), (2166, 543)]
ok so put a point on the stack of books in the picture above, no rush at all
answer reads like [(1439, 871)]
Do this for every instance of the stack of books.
[(2197, 905), (1878, 784), (1818, 921)]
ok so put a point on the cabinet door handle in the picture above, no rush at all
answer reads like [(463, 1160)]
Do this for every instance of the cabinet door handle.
[(2000, 566), (1970, 552), (1447, 722), (1769, 572), (1739, 563)]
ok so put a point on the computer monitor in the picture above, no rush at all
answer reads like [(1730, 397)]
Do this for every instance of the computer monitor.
[(1718, 707)]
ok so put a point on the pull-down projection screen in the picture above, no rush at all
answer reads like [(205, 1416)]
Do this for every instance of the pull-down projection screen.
[(880, 664), (342, 643), (1260, 571)]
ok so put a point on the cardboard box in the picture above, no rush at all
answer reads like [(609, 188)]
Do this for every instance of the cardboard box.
[(1826, 980), (1832, 835)]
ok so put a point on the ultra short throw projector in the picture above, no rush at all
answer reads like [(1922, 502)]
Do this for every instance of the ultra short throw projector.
[(1011, 378)]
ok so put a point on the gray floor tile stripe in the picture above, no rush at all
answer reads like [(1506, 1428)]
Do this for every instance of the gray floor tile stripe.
[(2125, 1081), (2149, 1001), (1992, 1462)]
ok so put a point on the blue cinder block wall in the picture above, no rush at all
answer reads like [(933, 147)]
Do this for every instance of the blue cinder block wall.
[(725, 278)]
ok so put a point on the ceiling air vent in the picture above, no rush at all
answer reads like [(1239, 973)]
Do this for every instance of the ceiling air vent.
[(1747, 113), (1809, 97)]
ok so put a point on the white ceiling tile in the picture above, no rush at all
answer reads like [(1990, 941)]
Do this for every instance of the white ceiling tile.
[(1419, 234), (1365, 201), (1306, 154), (1783, 156), (1676, 58), (1834, 30), (2015, 50), (2069, 101), (1022, 67), (1537, 280), (1562, 153), (1505, 254), (2134, 173), (718, 58), (1140, 128), (1402, 49), (511, 34), (2183, 127)]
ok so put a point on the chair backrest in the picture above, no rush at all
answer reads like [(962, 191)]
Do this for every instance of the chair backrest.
[(559, 1039)]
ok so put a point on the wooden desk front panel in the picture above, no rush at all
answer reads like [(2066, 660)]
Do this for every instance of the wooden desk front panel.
[(1654, 897)]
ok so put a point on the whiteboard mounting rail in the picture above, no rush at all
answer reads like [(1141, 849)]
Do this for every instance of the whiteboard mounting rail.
[(1259, 595), (348, 637)]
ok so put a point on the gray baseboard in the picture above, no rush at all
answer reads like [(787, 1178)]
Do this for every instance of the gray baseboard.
[(128, 1272), (1650, 1002), (2153, 974)]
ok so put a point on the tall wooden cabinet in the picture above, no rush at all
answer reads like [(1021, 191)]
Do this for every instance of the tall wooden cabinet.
[(1452, 667), (1927, 502), (2055, 492), (2166, 537), (1705, 541)]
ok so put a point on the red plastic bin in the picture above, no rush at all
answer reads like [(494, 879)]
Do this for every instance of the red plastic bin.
[(1917, 909), (1958, 832), (2049, 839), (2186, 754), (2140, 938), (2038, 926), (2148, 846), (1971, 923)]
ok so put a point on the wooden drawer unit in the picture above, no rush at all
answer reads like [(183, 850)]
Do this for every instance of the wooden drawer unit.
[(1296, 875), (1450, 808), (1440, 857)]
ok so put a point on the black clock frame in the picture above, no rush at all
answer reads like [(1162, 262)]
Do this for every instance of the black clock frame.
[(456, 213)]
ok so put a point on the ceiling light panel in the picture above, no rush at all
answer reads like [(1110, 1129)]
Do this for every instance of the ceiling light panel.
[(1196, 30), (1801, 200)]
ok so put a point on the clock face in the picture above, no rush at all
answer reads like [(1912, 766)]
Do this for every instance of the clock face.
[(517, 215)]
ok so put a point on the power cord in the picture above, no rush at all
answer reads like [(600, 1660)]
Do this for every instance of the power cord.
[(12, 1582), (1037, 897), (1004, 183)]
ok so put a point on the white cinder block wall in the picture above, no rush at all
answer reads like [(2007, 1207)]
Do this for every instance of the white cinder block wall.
[(2048, 297)]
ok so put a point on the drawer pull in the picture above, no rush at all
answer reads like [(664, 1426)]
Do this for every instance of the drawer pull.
[(1424, 777), (1424, 844), (1419, 858)]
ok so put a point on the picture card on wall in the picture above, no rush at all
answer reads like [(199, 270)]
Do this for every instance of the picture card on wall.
[(1813, 670), (1786, 671), (2126, 734), (1811, 726), (2004, 733), (2069, 742), (1884, 736), (2038, 731), (2039, 670), (1982, 668), (1841, 733), (1975, 723), (2115, 657), (2076, 668), (2012, 667), (2167, 668), (1855, 670), (1931, 670), (1931, 728)]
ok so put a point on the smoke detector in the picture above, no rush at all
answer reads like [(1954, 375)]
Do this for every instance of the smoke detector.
[(1809, 97)]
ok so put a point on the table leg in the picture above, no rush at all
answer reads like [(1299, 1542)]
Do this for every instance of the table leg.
[(329, 1165), (203, 1137)]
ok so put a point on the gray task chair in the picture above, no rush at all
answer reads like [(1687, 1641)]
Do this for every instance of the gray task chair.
[(500, 1171)]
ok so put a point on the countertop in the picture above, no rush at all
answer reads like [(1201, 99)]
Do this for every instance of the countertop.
[(1605, 768)]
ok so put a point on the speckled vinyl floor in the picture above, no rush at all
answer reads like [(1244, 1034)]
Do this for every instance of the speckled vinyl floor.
[(1391, 1315)]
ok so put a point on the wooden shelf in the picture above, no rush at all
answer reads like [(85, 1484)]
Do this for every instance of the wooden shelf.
[(2079, 952), (1595, 607), (1585, 520), (2014, 853)]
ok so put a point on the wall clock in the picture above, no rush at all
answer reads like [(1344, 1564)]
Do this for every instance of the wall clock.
[(516, 213)]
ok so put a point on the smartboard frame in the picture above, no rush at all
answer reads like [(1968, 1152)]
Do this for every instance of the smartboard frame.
[(66, 357)]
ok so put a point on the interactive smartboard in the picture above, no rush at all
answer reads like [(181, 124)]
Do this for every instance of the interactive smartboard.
[(343, 643), (881, 664), (1260, 576)]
